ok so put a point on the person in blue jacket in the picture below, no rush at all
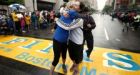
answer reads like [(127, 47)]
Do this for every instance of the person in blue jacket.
[(60, 38)]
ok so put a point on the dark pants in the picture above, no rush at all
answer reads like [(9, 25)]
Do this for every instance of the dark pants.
[(88, 37), (136, 25), (17, 26), (75, 52), (58, 49), (27, 27), (35, 25), (51, 20), (4, 30)]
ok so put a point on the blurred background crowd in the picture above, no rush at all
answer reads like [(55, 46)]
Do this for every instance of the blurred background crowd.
[(18, 22), (130, 19)]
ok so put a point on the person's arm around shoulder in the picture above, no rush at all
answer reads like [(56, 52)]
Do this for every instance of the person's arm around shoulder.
[(76, 24)]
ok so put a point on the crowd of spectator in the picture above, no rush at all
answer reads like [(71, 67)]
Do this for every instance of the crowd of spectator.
[(129, 18), (23, 22)]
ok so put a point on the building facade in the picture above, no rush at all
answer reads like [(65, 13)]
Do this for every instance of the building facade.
[(3, 9), (91, 3), (49, 5), (109, 2), (125, 3), (137, 2), (32, 5)]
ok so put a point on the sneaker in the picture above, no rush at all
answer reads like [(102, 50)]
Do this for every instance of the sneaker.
[(88, 60), (72, 68), (75, 73), (85, 54), (64, 68), (76, 70), (23, 31), (51, 70)]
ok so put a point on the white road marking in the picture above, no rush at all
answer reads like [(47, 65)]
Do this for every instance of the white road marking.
[(106, 34), (118, 40)]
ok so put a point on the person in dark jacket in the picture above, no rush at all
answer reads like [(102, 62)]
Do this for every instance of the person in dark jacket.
[(89, 25)]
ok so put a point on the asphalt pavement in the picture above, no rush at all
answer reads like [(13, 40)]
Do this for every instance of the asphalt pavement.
[(109, 34)]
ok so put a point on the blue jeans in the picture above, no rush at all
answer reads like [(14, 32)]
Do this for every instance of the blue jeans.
[(35, 25)]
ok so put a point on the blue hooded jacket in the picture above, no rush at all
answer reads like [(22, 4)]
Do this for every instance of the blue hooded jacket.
[(60, 34)]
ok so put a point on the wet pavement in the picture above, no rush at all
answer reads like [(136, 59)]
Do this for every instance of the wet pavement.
[(13, 67), (109, 34)]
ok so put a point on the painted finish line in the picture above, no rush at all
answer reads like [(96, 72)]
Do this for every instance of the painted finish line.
[(39, 53)]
